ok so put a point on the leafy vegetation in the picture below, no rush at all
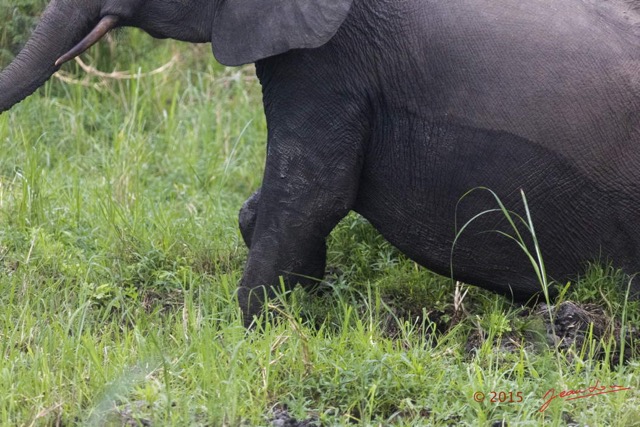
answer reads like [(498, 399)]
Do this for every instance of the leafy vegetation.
[(120, 253), (18, 19)]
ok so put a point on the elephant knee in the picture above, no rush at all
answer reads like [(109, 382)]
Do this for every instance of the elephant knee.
[(247, 217)]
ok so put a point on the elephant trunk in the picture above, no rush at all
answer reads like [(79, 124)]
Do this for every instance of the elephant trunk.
[(63, 25)]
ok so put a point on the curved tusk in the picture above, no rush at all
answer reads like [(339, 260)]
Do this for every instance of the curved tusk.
[(103, 27)]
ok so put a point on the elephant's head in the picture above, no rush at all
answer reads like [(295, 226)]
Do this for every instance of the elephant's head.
[(241, 31)]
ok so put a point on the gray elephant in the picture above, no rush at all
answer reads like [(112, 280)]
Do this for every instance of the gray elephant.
[(396, 108)]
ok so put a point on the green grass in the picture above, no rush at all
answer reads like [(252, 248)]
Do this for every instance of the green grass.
[(120, 253)]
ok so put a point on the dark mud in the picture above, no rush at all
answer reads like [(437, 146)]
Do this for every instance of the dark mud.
[(570, 328), (280, 417)]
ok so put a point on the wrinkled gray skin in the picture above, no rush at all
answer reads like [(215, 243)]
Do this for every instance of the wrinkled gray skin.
[(395, 109)]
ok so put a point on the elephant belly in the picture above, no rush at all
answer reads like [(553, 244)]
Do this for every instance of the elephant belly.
[(412, 191)]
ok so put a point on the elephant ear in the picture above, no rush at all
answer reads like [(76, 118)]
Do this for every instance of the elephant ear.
[(245, 31)]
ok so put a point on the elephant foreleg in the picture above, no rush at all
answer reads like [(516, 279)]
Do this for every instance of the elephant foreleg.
[(286, 224)]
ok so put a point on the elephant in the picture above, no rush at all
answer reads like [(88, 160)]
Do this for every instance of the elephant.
[(396, 109)]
